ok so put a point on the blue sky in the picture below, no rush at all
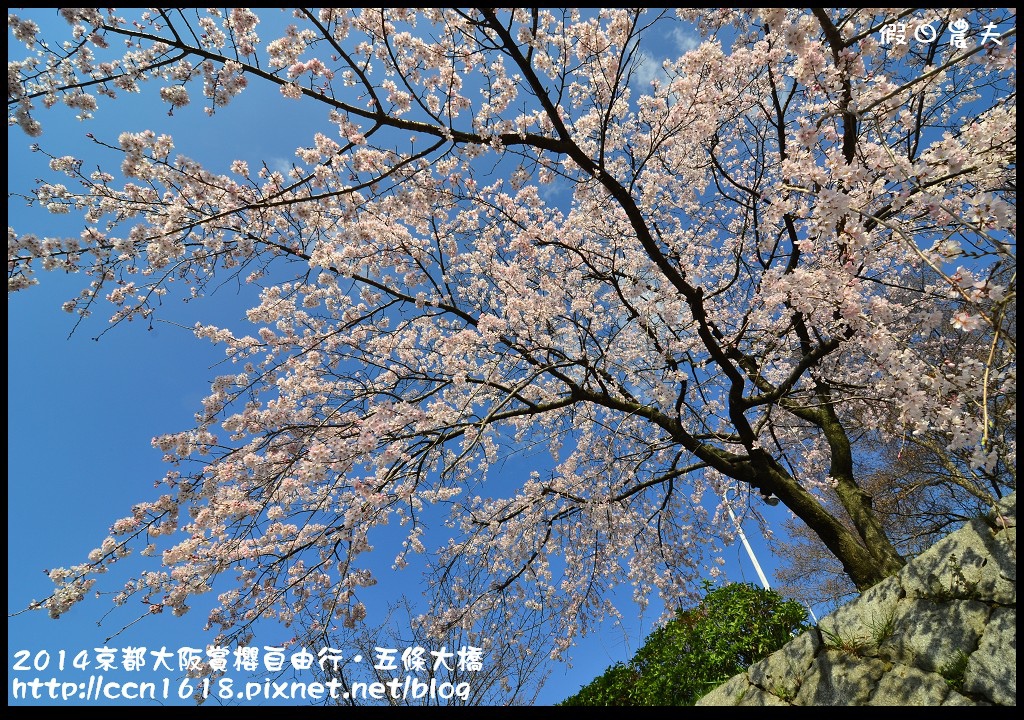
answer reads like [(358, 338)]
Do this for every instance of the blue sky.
[(82, 412)]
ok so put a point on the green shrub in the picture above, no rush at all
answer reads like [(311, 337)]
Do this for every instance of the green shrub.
[(732, 628)]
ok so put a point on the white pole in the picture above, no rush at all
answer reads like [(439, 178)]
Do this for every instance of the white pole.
[(753, 558), (750, 551)]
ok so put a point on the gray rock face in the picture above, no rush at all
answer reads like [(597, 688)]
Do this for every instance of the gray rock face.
[(943, 631)]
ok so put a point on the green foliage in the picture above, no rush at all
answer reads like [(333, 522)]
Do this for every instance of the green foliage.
[(732, 628), (884, 627), (854, 645), (954, 670)]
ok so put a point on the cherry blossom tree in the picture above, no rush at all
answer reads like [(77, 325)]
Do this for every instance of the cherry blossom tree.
[(518, 237), (922, 487)]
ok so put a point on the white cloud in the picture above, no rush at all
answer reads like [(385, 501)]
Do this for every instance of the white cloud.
[(669, 47), (646, 70), (684, 40)]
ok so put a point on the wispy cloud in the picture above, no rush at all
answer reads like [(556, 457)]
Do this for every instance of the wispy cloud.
[(647, 70), (280, 165), (684, 40), (650, 65)]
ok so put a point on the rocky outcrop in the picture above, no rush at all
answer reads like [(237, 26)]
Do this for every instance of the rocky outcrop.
[(941, 632)]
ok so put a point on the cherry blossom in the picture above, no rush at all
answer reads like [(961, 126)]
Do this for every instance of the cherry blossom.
[(501, 244)]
